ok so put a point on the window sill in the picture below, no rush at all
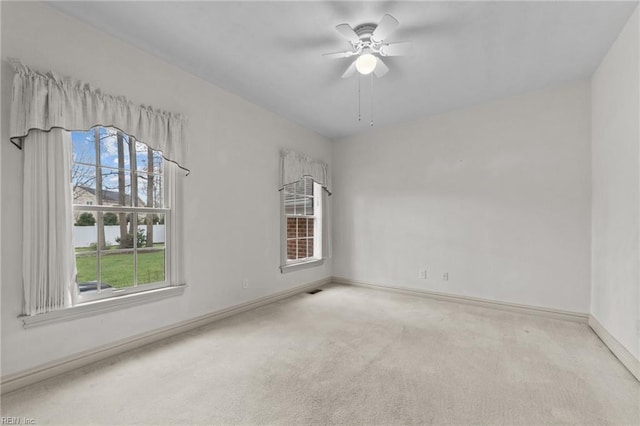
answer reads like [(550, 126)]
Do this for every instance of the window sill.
[(101, 306), (301, 265)]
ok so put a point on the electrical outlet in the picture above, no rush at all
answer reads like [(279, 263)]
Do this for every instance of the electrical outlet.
[(423, 273), (245, 283), (445, 276)]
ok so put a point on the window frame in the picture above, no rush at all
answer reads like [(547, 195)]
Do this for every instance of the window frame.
[(287, 265), (167, 211)]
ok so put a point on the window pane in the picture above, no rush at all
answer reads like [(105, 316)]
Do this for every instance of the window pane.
[(292, 247), (116, 187), (151, 265), (151, 248), (87, 267), (302, 227), (116, 268), (148, 160), (83, 179), (117, 229), (142, 157), (298, 187), (151, 230), (158, 162), (109, 228), (302, 248), (83, 146), (114, 149), (85, 241), (291, 227), (309, 247), (308, 186), (308, 206), (310, 227), (289, 201), (150, 190)]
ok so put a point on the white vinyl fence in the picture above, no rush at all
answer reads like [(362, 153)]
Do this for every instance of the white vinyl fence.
[(84, 236)]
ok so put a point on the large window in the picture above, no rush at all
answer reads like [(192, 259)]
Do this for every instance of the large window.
[(303, 221), (95, 202), (120, 213)]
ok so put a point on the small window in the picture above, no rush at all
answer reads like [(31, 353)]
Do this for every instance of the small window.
[(119, 214), (302, 240)]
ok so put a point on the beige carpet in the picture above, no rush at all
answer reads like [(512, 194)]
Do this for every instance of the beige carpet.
[(350, 355)]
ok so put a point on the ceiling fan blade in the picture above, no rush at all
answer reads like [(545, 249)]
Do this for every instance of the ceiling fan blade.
[(349, 72), (397, 49), (339, 55), (387, 25), (348, 33), (380, 69)]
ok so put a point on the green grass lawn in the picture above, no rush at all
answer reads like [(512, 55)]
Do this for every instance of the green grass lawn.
[(117, 268)]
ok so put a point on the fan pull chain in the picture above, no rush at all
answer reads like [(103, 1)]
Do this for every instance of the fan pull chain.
[(371, 99), (359, 97)]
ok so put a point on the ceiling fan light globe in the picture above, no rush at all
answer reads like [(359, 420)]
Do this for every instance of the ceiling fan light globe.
[(365, 64)]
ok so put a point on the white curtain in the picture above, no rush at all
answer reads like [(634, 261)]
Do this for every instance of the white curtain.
[(327, 213), (294, 166), (174, 253), (48, 261), (47, 101)]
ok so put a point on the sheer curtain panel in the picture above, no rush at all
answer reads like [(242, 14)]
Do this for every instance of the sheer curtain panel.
[(48, 260)]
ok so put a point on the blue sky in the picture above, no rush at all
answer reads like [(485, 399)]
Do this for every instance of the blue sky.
[(83, 151)]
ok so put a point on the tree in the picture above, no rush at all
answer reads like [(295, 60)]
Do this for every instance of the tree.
[(110, 219), (86, 219), (149, 240), (81, 175), (133, 159), (101, 234), (121, 192)]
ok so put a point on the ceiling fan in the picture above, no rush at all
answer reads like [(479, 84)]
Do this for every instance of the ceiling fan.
[(367, 41)]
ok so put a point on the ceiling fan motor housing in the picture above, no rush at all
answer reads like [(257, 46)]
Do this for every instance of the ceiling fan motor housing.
[(364, 31), (367, 43)]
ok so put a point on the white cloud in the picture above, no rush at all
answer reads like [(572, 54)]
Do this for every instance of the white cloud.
[(110, 142), (140, 147)]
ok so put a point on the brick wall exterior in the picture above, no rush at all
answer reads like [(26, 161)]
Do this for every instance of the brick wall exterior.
[(300, 234)]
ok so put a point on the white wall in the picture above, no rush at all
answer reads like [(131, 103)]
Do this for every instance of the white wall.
[(231, 202), (496, 195), (615, 297)]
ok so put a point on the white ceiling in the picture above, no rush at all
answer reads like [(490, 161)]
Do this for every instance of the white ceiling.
[(270, 52)]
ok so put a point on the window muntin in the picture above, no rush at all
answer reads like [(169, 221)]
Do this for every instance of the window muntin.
[(302, 210), (119, 192)]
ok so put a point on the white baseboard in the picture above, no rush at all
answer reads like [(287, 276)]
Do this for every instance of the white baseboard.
[(18, 380), (626, 358), (486, 303)]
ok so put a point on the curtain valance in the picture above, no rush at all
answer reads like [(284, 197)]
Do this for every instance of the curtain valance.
[(48, 101), (294, 166)]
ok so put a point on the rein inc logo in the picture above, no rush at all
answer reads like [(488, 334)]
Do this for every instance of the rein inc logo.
[(17, 421)]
